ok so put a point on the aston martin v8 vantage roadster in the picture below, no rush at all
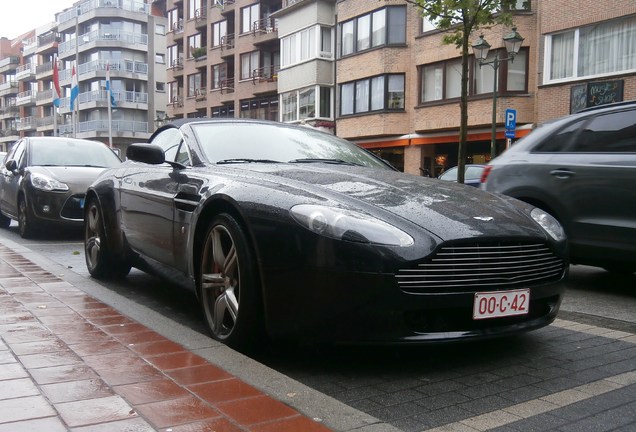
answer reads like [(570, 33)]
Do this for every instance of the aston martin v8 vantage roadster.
[(288, 232)]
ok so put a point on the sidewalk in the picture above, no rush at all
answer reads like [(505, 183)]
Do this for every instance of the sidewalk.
[(71, 362)]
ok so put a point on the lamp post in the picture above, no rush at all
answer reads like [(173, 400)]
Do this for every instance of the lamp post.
[(512, 42)]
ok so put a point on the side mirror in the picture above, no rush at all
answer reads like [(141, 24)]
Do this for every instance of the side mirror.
[(11, 165), (146, 153)]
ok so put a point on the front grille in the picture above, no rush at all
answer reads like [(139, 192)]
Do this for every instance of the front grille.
[(74, 207), (472, 267)]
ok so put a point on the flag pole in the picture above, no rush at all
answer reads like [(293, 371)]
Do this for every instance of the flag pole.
[(110, 106)]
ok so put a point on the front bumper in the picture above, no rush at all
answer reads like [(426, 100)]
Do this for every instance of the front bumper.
[(60, 208)]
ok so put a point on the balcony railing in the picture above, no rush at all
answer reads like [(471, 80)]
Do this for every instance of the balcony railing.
[(87, 6), (9, 85), (48, 39), (177, 26), (25, 71), (25, 97), (100, 35), (102, 126), (102, 96), (44, 68), (227, 85), (265, 25), (227, 41), (25, 123), (46, 95), (266, 73), (100, 65), (43, 121), (9, 60), (288, 3)]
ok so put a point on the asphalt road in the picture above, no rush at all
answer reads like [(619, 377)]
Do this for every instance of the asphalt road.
[(450, 386)]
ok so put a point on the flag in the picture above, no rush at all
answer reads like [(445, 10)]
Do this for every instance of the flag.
[(108, 90), (74, 89), (57, 92)]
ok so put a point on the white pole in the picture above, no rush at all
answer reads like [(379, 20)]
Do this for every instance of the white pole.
[(110, 107)]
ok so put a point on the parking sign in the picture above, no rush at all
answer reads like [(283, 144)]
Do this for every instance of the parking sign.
[(511, 119)]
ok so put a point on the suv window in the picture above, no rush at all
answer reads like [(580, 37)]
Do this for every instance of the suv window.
[(559, 141), (609, 133)]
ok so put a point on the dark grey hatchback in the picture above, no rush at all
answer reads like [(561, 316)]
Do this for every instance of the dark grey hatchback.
[(582, 170)]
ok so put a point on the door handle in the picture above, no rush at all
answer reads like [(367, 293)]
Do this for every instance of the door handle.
[(562, 173)]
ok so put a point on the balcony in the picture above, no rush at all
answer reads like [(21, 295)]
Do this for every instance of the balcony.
[(26, 98), (124, 38), (25, 72), (227, 85), (9, 111), (177, 29), (25, 124), (47, 44), (9, 88), (99, 98), (44, 97), (200, 94), (227, 45), (201, 17), (44, 123), (96, 66), (9, 64), (90, 5), (118, 126), (44, 71), (29, 46), (227, 6)]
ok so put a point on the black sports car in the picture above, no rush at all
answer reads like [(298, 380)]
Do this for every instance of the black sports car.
[(290, 232)]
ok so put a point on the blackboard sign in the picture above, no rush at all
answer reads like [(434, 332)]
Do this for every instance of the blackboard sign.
[(594, 94)]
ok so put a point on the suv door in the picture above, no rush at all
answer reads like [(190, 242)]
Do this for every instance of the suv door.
[(594, 175)]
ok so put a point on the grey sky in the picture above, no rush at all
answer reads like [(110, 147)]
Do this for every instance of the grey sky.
[(20, 16)]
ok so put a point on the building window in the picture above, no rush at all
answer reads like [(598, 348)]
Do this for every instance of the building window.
[(219, 31), (193, 6), (301, 104), (219, 74), (249, 18), (173, 20), (265, 108), (249, 64), (194, 83), (379, 93), (160, 58), (173, 55), (160, 29), (326, 42), (385, 26), (224, 111), (193, 42), (442, 80), (601, 49), (160, 87), (299, 47)]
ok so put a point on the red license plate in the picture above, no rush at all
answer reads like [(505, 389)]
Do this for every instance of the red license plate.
[(501, 304)]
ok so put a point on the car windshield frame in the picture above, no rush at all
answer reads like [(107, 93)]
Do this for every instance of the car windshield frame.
[(221, 142)]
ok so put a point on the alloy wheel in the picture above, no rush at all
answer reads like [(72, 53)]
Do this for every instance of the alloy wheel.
[(220, 282), (92, 237)]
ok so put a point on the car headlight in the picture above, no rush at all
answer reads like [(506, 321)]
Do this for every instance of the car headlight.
[(548, 223), (40, 181), (349, 225)]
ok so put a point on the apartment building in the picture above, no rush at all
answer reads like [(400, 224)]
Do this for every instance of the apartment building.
[(10, 56), (586, 58), (223, 58), (128, 37)]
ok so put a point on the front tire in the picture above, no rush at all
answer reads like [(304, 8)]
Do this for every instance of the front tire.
[(25, 220), (100, 260), (228, 285)]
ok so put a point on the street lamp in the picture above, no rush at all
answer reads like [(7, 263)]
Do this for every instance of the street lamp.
[(512, 42), (161, 120)]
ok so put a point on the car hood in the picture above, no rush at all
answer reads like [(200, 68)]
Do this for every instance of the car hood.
[(445, 209), (77, 178)]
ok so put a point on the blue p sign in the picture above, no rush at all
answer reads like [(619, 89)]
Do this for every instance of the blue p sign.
[(511, 119)]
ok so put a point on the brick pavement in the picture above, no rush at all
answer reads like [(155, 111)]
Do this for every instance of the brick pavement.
[(71, 362)]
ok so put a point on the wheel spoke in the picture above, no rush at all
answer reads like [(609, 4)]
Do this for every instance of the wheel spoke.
[(93, 219), (212, 281), (217, 250), (222, 307), (93, 247)]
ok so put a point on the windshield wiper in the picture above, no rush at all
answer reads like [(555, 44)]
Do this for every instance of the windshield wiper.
[(244, 160), (329, 161)]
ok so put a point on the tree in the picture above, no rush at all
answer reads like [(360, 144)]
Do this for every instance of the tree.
[(459, 19)]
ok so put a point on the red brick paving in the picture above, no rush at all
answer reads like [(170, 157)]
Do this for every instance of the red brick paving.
[(68, 360)]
